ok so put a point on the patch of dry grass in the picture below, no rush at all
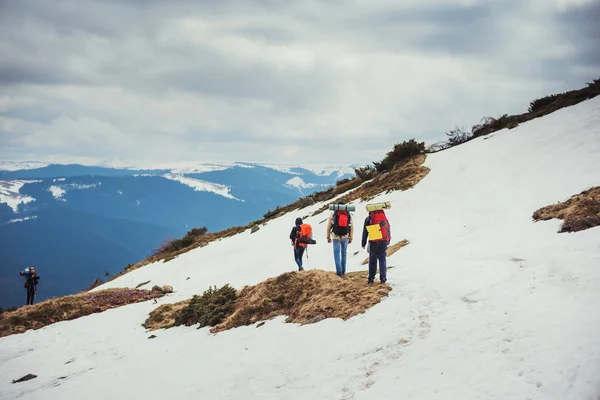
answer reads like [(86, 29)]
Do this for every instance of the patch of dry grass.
[(580, 212), (390, 250), (403, 176), (70, 307), (165, 315), (305, 297)]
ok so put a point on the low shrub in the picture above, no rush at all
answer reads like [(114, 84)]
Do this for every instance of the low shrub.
[(209, 309)]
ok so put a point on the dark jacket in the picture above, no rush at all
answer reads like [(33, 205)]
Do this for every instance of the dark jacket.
[(293, 234), (30, 279), (365, 234)]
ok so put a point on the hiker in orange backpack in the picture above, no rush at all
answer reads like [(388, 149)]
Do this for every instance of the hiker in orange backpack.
[(377, 244), (301, 237), (340, 228)]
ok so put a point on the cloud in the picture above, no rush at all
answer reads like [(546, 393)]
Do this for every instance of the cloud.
[(275, 81)]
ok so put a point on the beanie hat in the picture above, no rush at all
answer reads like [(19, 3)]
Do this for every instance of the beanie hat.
[(298, 221)]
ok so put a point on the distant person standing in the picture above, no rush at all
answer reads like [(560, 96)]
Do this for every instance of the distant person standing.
[(379, 236), (31, 281), (340, 230)]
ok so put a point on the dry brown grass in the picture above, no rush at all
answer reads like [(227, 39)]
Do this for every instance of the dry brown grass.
[(305, 297), (390, 250), (70, 307), (165, 315), (403, 176), (580, 212)]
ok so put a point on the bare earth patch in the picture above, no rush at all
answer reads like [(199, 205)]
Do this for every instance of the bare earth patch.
[(580, 212), (70, 307), (305, 297), (390, 250)]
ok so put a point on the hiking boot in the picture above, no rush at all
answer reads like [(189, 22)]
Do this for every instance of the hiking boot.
[(370, 281), (300, 269), (383, 281)]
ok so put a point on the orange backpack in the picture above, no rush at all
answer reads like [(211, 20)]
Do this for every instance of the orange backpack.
[(304, 234)]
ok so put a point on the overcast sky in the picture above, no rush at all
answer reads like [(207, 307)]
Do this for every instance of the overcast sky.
[(275, 81)]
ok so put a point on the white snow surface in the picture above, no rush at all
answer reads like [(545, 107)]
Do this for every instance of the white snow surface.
[(21, 165), (299, 183), (486, 304), (317, 169), (203, 186), (9, 193), (57, 191), (15, 220)]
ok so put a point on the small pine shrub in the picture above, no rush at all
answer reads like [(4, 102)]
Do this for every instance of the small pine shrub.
[(365, 173), (400, 152), (197, 231), (458, 136), (209, 309)]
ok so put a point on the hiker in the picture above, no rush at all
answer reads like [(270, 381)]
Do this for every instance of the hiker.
[(340, 230), (377, 244), (31, 281), (301, 237)]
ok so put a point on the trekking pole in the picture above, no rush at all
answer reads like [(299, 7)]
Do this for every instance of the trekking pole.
[(307, 259)]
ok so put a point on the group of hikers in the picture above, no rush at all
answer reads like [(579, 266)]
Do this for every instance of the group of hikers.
[(376, 235)]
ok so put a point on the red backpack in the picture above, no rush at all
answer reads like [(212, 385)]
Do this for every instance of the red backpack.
[(378, 218), (341, 223)]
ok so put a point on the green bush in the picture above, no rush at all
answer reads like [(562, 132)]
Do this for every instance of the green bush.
[(538, 104), (458, 136), (197, 231), (365, 173), (209, 309), (400, 152)]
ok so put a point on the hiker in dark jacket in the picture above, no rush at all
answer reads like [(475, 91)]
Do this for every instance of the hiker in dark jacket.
[(377, 248), (298, 250), (31, 281)]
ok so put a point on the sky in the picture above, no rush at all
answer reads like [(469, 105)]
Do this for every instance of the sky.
[(326, 81)]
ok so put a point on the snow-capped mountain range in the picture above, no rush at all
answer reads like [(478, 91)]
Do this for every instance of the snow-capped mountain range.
[(69, 215)]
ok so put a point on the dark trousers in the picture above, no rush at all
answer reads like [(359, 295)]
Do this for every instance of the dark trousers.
[(298, 253), (30, 294), (377, 252)]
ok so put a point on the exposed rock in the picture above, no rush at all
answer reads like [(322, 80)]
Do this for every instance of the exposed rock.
[(164, 289), (25, 378), (255, 228), (97, 282)]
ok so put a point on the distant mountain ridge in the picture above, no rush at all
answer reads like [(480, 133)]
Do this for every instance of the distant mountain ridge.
[(78, 222)]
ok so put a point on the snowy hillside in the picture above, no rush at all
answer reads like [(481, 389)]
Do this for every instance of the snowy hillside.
[(486, 304)]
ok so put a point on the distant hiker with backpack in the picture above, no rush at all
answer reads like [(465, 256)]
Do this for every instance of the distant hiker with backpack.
[(31, 281), (301, 237), (340, 230), (377, 230)]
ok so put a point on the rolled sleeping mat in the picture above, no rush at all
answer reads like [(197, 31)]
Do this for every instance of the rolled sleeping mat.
[(342, 207), (386, 205)]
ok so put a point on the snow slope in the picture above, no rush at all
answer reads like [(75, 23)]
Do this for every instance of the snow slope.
[(9, 194), (203, 186), (486, 304)]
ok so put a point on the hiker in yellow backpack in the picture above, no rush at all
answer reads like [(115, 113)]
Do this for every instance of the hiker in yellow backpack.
[(301, 237), (377, 230)]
